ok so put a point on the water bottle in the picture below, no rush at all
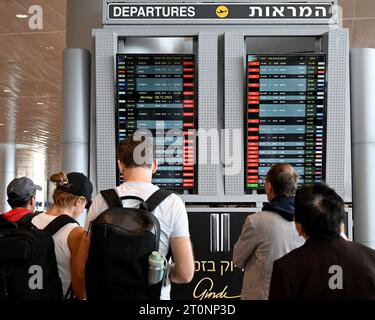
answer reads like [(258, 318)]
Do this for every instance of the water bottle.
[(156, 267)]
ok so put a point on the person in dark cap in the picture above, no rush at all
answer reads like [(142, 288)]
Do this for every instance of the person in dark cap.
[(71, 196), (21, 194), (79, 185)]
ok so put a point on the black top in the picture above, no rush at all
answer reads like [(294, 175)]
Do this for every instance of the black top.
[(326, 269)]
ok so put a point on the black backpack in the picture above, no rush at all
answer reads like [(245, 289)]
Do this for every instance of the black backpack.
[(25, 252), (121, 241)]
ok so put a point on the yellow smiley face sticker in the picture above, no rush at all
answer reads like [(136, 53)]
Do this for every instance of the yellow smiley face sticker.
[(222, 11)]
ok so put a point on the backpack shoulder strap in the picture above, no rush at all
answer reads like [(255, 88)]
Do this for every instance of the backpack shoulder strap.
[(111, 197), (58, 223), (157, 198), (26, 219), (5, 222), (2, 219)]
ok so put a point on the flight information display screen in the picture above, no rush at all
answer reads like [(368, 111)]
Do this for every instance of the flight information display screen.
[(285, 122), (158, 93)]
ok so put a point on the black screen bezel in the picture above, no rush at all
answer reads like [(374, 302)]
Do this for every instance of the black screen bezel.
[(179, 190), (325, 113)]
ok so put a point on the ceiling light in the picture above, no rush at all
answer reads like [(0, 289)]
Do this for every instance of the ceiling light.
[(7, 91), (21, 16), (40, 103), (1, 124), (50, 47), (25, 131)]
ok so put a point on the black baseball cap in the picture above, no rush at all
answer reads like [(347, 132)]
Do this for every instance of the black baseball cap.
[(79, 185), (21, 189)]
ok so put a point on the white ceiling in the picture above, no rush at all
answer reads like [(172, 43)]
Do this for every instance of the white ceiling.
[(30, 83)]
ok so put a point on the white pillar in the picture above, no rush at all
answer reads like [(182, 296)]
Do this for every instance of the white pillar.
[(363, 143), (7, 172), (76, 110)]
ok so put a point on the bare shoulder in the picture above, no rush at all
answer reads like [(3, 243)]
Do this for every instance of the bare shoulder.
[(76, 234)]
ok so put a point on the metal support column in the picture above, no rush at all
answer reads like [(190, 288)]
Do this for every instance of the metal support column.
[(7, 172), (76, 114), (363, 115)]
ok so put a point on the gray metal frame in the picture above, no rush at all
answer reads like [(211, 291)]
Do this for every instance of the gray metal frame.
[(105, 95), (338, 135), (211, 180), (234, 75), (209, 175), (105, 49), (338, 146), (338, 161)]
